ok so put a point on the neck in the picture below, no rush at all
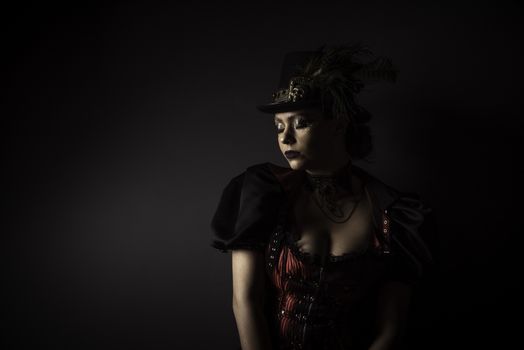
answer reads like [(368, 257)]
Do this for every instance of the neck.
[(332, 170), (339, 179)]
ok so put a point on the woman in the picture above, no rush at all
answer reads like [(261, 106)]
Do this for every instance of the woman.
[(324, 255)]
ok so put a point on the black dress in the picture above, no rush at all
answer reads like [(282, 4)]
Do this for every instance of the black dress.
[(315, 304)]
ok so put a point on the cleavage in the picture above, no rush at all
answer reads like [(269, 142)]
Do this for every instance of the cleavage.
[(315, 234)]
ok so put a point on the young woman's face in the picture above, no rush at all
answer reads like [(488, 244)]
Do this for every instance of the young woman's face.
[(306, 139)]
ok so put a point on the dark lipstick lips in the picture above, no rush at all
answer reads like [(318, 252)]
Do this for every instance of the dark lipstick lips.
[(291, 154)]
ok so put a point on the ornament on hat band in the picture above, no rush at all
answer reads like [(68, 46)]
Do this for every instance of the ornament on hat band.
[(297, 90)]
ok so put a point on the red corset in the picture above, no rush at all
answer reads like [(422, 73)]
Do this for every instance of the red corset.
[(322, 304)]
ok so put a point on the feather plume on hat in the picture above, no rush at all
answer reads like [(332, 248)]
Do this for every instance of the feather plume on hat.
[(338, 74)]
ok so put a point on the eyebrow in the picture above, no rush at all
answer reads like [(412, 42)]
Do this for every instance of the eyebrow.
[(303, 114)]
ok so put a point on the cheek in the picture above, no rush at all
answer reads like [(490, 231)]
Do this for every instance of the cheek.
[(280, 144), (313, 141)]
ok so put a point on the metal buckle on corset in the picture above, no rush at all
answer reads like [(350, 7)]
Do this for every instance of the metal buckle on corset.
[(386, 230), (274, 246)]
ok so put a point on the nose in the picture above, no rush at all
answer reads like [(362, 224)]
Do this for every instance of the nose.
[(287, 136)]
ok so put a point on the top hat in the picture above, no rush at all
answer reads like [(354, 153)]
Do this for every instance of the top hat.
[(293, 93), (327, 78)]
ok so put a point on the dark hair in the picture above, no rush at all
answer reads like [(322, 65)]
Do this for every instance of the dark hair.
[(359, 140)]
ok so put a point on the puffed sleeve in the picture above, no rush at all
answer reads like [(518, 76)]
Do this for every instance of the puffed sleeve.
[(248, 210), (411, 236)]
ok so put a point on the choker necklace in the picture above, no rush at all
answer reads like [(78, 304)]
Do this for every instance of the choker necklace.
[(328, 188)]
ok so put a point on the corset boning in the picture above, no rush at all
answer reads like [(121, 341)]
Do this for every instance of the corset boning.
[(321, 305)]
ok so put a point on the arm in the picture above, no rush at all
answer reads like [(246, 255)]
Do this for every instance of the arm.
[(248, 298), (393, 306)]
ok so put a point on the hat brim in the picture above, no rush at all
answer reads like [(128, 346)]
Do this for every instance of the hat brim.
[(288, 106)]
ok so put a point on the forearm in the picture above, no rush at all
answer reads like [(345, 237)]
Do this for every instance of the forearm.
[(252, 326)]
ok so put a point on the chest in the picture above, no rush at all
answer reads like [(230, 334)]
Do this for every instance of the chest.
[(324, 228)]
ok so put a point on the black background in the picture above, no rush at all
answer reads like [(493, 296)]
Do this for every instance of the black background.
[(124, 121)]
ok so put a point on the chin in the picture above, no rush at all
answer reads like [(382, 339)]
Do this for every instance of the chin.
[(296, 164)]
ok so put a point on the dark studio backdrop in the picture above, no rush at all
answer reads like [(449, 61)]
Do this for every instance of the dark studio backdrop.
[(125, 121)]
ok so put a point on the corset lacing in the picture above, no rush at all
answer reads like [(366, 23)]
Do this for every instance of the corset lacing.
[(303, 308)]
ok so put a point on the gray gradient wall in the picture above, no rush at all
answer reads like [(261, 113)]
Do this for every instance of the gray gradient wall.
[(124, 122)]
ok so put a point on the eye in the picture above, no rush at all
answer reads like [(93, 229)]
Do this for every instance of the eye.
[(302, 123), (279, 127)]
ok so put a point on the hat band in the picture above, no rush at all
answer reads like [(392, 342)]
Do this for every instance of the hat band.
[(298, 90)]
